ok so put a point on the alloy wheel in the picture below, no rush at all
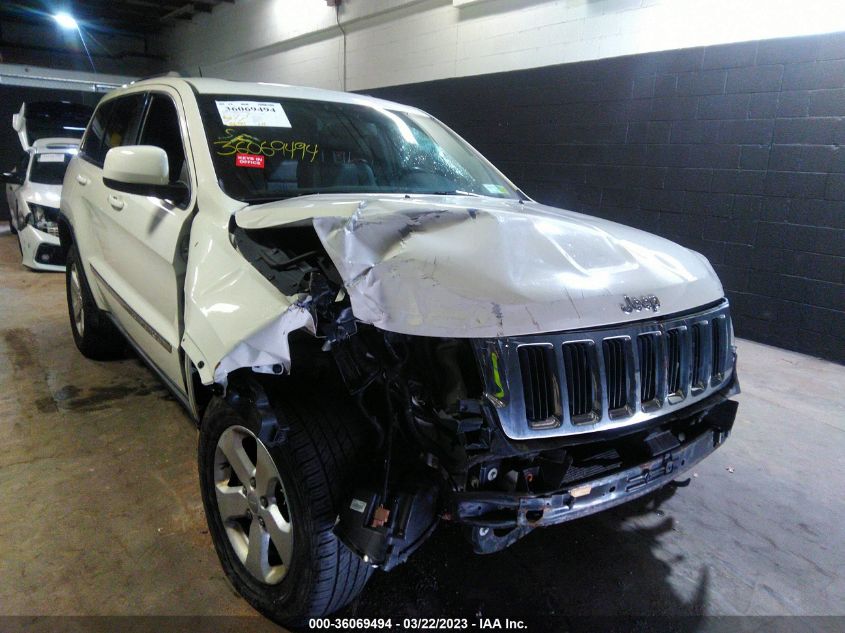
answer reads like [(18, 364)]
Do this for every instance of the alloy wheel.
[(76, 300), (253, 505)]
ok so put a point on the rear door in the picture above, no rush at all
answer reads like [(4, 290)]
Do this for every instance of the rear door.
[(116, 122), (144, 245)]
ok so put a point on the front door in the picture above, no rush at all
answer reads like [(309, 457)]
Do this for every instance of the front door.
[(144, 249)]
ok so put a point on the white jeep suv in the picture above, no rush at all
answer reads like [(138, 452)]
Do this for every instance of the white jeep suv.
[(377, 331)]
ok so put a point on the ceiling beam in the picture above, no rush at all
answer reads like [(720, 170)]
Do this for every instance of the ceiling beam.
[(81, 53), (98, 8), (178, 12), (120, 16), (133, 28)]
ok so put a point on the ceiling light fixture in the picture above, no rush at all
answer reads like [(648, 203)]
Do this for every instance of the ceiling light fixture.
[(69, 23), (66, 21)]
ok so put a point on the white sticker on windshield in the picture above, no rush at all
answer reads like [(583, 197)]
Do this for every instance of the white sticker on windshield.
[(50, 158), (252, 114), (496, 189)]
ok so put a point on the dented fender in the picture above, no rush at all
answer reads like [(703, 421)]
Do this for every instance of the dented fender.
[(233, 316)]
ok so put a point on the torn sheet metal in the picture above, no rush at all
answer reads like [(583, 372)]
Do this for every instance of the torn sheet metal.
[(459, 266), (267, 351), (234, 317)]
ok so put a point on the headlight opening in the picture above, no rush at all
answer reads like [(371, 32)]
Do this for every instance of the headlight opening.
[(44, 218)]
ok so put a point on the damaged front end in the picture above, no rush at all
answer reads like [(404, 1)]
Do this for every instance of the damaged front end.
[(499, 433)]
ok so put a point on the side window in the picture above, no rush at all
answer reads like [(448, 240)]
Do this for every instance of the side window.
[(161, 128), (93, 141), (115, 123), (124, 121)]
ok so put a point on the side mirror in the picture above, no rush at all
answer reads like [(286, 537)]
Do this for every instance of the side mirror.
[(142, 170), (11, 178)]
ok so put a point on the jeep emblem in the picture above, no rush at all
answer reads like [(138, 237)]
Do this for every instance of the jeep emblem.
[(648, 302)]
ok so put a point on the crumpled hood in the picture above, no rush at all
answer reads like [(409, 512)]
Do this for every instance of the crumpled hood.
[(482, 267)]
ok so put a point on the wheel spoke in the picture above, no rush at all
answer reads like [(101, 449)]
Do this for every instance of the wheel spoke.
[(232, 446), (76, 300), (259, 499), (280, 533), (231, 502), (265, 474), (257, 561)]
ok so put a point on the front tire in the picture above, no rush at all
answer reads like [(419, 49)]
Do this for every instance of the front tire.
[(94, 334), (271, 505)]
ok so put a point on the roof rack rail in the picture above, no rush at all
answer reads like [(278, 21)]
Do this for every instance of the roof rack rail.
[(169, 73)]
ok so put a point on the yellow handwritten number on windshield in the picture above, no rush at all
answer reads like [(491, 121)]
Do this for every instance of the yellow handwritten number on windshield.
[(234, 143)]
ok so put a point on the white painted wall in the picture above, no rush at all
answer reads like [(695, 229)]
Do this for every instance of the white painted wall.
[(407, 41)]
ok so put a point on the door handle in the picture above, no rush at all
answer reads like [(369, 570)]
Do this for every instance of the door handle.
[(116, 202), (82, 180)]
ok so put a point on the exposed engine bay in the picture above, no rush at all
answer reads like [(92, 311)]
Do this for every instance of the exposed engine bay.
[(438, 450)]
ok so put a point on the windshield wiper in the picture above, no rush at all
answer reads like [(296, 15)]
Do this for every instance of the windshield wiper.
[(456, 192), (283, 195)]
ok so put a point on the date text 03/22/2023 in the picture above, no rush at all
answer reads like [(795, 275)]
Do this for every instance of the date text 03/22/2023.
[(414, 624)]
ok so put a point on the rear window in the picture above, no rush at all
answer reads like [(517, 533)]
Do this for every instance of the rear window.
[(49, 168)]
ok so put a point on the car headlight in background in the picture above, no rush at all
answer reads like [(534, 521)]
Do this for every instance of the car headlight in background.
[(44, 218)]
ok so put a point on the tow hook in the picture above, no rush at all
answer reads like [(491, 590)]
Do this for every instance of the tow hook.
[(666, 467)]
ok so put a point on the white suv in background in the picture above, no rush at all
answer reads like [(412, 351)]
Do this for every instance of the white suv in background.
[(377, 331), (33, 192)]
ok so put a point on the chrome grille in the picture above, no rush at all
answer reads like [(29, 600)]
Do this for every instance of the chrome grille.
[(674, 363), (696, 338), (536, 363), (580, 369), (648, 347), (719, 326), (578, 382), (616, 365)]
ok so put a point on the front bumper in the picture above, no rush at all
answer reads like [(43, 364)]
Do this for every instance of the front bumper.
[(520, 513), (40, 250)]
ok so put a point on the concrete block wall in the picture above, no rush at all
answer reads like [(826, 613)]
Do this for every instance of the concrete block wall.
[(737, 151)]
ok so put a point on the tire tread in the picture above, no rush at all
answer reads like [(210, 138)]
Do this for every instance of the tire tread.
[(101, 339), (330, 442)]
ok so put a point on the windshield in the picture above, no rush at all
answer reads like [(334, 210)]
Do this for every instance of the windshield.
[(268, 148), (49, 169)]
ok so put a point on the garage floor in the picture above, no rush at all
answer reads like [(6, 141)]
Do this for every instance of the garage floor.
[(100, 510)]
